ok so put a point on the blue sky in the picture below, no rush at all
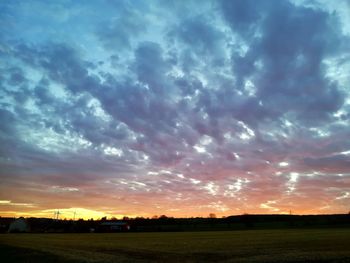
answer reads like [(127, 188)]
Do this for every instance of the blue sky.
[(174, 107)]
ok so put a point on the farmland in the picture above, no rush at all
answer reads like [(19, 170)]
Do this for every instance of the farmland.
[(288, 245)]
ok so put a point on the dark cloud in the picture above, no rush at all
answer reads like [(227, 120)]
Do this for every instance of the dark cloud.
[(339, 163), (200, 37), (243, 16), (285, 57), (150, 66)]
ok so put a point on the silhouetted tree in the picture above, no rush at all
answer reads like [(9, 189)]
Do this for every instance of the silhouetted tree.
[(212, 215)]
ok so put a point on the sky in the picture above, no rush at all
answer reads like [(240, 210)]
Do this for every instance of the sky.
[(177, 108)]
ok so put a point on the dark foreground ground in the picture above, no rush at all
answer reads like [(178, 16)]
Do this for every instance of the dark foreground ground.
[(292, 245)]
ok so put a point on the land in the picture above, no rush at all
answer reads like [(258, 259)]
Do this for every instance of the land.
[(269, 245), (167, 224)]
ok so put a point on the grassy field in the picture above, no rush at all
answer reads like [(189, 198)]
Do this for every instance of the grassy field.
[(293, 245)]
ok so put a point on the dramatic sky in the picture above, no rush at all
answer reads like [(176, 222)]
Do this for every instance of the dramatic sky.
[(182, 108)]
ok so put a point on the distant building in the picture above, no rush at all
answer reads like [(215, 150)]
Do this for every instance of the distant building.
[(113, 227), (20, 225)]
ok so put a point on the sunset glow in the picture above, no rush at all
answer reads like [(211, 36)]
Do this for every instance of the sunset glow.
[(177, 108)]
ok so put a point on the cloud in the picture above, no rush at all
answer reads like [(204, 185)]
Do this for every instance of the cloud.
[(339, 163), (120, 31), (285, 56), (119, 105)]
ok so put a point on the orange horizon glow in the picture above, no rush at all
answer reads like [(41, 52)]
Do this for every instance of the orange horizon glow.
[(86, 214), (249, 194), (246, 193)]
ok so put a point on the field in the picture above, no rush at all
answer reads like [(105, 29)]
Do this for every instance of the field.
[(291, 245)]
